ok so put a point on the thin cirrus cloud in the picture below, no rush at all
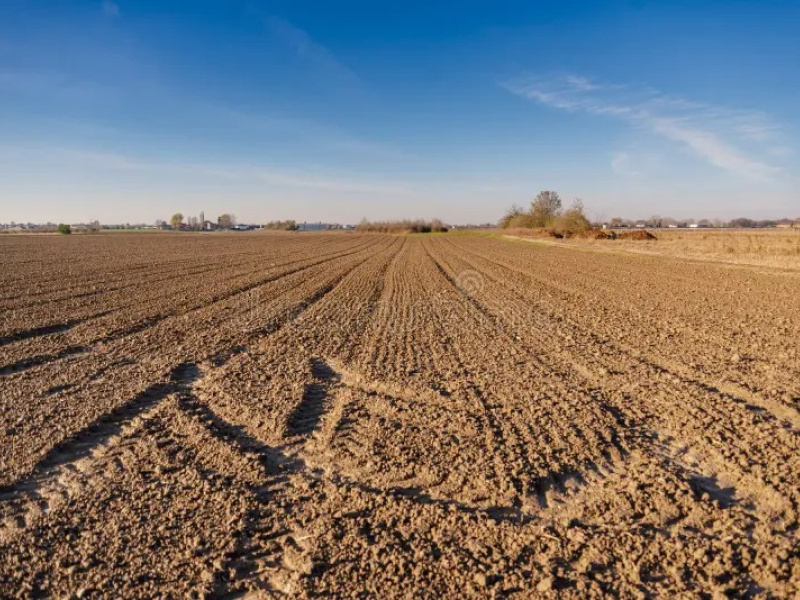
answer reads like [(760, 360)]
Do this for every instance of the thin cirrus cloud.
[(309, 51), (243, 173), (716, 134)]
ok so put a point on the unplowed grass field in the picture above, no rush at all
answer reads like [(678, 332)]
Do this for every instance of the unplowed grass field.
[(380, 416), (772, 248)]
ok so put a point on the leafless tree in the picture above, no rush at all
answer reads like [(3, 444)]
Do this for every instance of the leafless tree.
[(573, 219), (226, 221), (515, 211), (545, 208)]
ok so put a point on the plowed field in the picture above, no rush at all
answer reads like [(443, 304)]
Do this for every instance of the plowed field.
[(382, 416)]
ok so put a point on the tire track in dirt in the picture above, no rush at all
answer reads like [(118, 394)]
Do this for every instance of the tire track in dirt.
[(64, 474), (272, 555), (334, 444), (288, 314), (345, 408), (306, 418), (261, 560), (278, 561), (47, 329), (53, 479)]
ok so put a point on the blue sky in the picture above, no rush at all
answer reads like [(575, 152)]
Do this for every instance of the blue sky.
[(130, 111)]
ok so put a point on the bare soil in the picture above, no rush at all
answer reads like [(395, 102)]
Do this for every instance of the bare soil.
[(393, 416)]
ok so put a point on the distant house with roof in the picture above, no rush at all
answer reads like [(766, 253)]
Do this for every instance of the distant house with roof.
[(786, 224)]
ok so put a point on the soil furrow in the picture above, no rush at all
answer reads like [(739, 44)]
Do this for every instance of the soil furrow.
[(355, 415)]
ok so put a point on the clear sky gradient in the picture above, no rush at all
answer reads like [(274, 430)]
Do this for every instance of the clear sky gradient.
[(132, 110)]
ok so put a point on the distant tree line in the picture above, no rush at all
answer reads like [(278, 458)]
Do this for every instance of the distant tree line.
[(546, 211), (50, 227), (661, 222), (403, 226), (288, 225), (179, 222)]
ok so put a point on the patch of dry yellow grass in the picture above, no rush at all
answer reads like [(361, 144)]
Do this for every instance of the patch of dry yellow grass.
[(777, 248), (770, 247)]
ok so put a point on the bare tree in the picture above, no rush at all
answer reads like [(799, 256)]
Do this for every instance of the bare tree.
[(573, 219), (176, 220), (515, 211), (545, 208), (192, 222), (226, 221)]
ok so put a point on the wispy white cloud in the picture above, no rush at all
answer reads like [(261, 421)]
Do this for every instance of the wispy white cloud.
[(581, 83), (124, 168), (738, 141), (308, 50), (244, 173)]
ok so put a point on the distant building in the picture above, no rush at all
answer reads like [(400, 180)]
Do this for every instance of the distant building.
[(313, 227), (785, 224)]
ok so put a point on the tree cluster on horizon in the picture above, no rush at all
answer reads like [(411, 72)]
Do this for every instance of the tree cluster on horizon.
[(288, 225), (179, 222), (546, 210), (403, 226)]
